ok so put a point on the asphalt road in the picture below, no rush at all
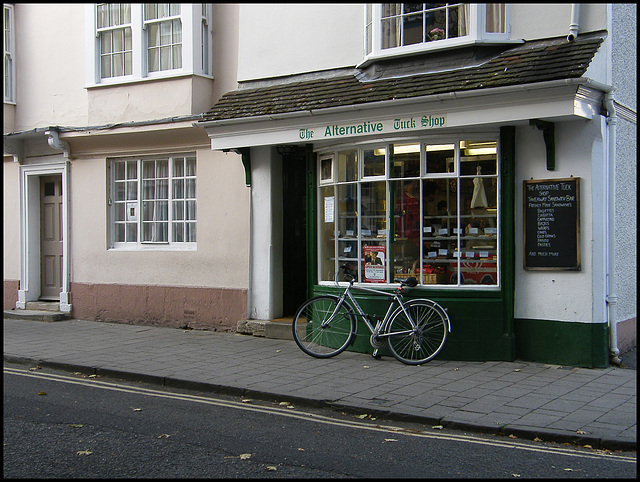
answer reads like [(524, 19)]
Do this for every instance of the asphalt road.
[(67, 425)]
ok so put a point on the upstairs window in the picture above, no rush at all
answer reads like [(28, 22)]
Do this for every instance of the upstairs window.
[(401, 28), (9, 54), (131, 42), (164, 36)]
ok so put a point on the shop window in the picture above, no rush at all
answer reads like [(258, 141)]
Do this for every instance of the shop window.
[(401, 28), (422, 209), (153, 201)]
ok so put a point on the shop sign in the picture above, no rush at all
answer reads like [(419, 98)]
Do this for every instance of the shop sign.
[(399, 124), (552, 224)]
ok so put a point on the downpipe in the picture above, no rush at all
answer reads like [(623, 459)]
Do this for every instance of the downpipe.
[(610, 199)]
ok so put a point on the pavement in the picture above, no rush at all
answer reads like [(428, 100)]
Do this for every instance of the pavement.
[(595, 407)]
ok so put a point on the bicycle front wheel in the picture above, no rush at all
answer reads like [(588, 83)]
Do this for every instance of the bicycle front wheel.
[(319, 335), (418, 344)]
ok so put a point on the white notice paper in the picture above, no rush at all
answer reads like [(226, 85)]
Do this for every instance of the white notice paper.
[(328, 209)]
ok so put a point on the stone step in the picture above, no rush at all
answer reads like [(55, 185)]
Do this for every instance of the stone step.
[(279, 329), (36, 315)]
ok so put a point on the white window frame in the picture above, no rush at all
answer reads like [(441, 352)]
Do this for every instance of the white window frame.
[(134, 208), (455, 175), (477, 34), (196, 35), (9, 41)]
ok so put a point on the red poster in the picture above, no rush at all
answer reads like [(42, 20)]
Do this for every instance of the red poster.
[(374, 264)]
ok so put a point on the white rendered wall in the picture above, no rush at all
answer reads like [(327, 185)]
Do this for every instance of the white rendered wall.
[(572, 296), (222, 231), (285, 39)]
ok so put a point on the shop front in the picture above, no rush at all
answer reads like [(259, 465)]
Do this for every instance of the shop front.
[(408, 178)]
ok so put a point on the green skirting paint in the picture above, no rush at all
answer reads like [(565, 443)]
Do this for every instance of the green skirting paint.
[(562, 343)]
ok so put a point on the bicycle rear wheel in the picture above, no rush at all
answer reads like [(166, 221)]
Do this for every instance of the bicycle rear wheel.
[(317, 338), (414, 346)]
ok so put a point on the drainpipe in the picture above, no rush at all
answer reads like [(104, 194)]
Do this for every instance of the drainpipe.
[(610, 199), (575, 22)]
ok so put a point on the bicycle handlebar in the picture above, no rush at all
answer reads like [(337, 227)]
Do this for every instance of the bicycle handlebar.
[(411, 282)]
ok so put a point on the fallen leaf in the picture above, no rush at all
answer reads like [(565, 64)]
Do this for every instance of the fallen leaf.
[(456, 369), (516, 370), (366, 366), (364, 415), (76, 425), (245, 456), (390, 440), (512, 436), (581, 432), (246, 400), (568, 470), (164, 435), (137, 409), (271, 467), (41, 393), (278, 351), (93, 376), (84, 452), (515, 475), (438, 427), (587, 446), (286, 404), (300, 449), (537, 439), (33, 369)]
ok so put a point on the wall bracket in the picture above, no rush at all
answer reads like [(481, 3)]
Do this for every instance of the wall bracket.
[(548, 134)]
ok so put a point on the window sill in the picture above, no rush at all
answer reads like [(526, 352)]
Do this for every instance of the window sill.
[(129, 80), (430, 47), (154, 247)]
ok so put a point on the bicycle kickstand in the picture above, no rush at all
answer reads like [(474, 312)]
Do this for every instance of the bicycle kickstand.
[(375, 354)]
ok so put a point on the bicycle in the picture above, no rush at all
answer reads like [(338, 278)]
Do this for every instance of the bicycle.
[(415, 331)]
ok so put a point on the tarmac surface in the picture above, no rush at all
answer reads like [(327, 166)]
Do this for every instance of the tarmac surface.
[(595, 407)]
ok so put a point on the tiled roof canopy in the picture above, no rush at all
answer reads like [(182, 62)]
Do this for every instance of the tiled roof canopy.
[(536, 61)]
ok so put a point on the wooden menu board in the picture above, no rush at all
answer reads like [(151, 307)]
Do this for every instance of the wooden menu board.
[(552, 224)]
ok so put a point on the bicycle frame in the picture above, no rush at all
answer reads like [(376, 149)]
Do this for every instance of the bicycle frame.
[(396, 298)]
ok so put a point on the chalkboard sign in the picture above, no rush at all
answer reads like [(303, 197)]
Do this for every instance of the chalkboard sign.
[(552, 224)]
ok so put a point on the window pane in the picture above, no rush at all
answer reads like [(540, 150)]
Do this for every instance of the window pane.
[(191, 210), (440, 158), (153, 35), (440, 226), (178, 167), (190, 192), (178, 232), (177, 56), (132, 233), (132, 190), (326, 226), (412, 26), (165, 58), (478, 155), (178, 189), (178, 210), (118, 170), (348, 165), (191, 166), (391, 29), (190, 232), (405, 160), (406, 224), (119, 211), (495, 18), (374, 162), (347, 215), (120, 192), (119, 233)]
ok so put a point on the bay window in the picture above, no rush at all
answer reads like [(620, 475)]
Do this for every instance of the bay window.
[(422, 209), (130, 42), (402, 28), (153, 201)]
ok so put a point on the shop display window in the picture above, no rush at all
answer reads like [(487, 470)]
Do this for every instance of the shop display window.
[(428, 210)]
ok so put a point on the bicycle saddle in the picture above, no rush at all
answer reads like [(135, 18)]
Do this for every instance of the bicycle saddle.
[(410, 282)]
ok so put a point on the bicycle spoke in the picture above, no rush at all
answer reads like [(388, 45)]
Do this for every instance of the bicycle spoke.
[(418, 341), (319, 335)]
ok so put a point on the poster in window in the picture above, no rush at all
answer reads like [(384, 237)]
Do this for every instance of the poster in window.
[(374, 264)]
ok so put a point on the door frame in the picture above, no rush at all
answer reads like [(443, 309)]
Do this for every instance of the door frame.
[(30, 283)]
